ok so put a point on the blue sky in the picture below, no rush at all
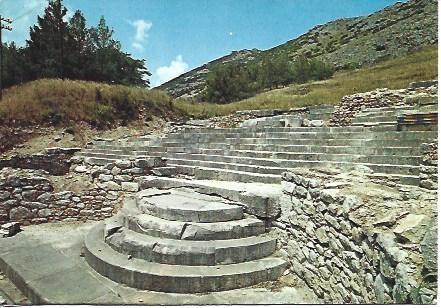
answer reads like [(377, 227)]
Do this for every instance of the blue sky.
[(175, 36)]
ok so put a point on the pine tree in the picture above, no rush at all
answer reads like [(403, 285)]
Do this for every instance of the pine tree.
[(80, 46), (15, 66), (48, 42)]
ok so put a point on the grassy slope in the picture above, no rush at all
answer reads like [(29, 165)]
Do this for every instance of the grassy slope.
[(65, 102), (393, 74)]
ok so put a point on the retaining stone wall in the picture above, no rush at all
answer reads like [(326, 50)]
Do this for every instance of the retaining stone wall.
[(350, 105), (429, 165), (56, 161), (332, 243), (28, 196)]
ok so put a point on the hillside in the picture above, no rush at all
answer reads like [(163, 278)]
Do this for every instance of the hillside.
[(346, 43), (392, 74), (70, 113)]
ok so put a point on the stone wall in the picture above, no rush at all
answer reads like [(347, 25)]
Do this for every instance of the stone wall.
[(28, 196), (429, 165), (350, 105), (349, 250), (56, 161)]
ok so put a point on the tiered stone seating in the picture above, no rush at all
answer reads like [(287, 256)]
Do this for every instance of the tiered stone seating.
[(183, 242), (261, 156)]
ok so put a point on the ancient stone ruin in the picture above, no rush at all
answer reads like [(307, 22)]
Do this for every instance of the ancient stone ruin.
[(311, 205)]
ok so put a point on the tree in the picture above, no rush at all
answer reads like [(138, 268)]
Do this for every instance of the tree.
[(80, 46), (227, 83), (60, 49), (112, 65), (48, 42), (15, 66)]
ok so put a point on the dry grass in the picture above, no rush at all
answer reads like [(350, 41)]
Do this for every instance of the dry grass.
[(65, 101), (392, 74)]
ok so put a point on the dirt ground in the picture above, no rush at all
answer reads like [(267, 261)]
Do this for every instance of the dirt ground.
[(79, 135)]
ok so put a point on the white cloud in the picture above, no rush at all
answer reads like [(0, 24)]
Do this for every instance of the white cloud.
[(165, 73), (231, 34), (142, 27)]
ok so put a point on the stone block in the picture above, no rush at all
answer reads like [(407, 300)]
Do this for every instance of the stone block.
[(412, 227), (20, 213), (80, 169), (150, 162), (130, 186), (4, 195), (44, 213), (105, 178), (329, 196), (112, 186), (123, 164)]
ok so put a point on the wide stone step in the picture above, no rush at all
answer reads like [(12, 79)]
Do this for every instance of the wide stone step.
[(387, 135), (179, 205), (281, 159), (374, 123), (158, 227), (208, 173), (402, 179), (145, 275), (251, 148), (256, 169), (407, 151), (388, 109), (99, 161), (179, 252), (268, 130), (378, 118), (287, 141), (390, 113)]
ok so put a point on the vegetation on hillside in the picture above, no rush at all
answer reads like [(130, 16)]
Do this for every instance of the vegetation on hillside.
[(393, 74), (347, 43), (64, 102), (68, 49), (230, 82)]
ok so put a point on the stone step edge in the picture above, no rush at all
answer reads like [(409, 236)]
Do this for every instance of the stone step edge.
[(217, 251), (198, 150), (300, 161), (262, 202), (267, 175), (159, 227), (223, 212), (176, 278)]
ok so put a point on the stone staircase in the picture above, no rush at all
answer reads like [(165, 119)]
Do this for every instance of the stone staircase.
[(181, 241), (261, 155), (389, 115)]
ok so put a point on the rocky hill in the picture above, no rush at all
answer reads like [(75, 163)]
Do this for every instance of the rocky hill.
[(347, 43)]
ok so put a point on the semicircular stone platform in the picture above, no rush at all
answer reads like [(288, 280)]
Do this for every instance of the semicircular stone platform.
[(181, 241)]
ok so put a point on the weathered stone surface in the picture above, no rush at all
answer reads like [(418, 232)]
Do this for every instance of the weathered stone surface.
[(329, 195), (130, 186), (123, 164), (44, 213), (322, 235), (20, 213), (412, 227), (80, 169), (150, 162), (112, 186), (4, 195), (429, 248), (105, 178)]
